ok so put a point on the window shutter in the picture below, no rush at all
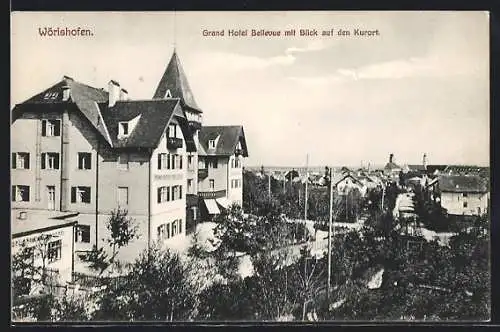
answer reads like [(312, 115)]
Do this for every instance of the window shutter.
[(180, 161), (180, 225), (44, 127), (56, 161), (73, 194), (159, 160), (57, 128), (89, 163), (168, 161), (215, 162), (168, 194), (14, 161), (206, 164), (27, 165), (13, 192), (159, 195), (43, 160), (86, 234), (180, 192)]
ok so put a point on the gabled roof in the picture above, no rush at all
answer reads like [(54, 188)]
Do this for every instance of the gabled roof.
[(175, 80), (465, 169), (83, 96), (155, 115), (462, 184), (341, 176), (228, 138)]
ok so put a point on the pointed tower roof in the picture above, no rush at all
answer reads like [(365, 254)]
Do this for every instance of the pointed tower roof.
[(174, 84)]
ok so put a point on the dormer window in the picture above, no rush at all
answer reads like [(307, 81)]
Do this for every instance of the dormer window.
[(211, 144), (123, 129), (168, 94), (172, 130)]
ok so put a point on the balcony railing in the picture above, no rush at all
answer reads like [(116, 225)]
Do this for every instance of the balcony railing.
[(212, 194), (202, 173), (174, 143), (194, 125)]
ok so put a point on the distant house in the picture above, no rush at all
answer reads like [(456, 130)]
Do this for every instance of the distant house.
[(460, 194), (343, 182), (291, 175), (467, 170), (435, 169), (49, 237), (392, 169)]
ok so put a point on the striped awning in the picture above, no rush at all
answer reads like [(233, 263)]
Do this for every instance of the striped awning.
[(224, 202), (211, 206)]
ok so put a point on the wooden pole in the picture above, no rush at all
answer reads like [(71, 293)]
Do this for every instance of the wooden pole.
[(269, 184), (330, 239), (305, 197)]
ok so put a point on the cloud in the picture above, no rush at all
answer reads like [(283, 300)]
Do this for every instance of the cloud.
[(234, 62), (315, 45)]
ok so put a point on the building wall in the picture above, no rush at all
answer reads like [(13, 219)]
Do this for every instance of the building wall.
[(454, 202), (64, 264), (235, 194), (219, 175), (26, 136)]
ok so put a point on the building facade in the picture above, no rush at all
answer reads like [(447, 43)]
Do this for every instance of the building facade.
[(83, 149)]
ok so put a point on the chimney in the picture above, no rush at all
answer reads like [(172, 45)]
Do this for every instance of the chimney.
[(391, 158), (65, 92), (424, 160), (114, 92), (123, 94)]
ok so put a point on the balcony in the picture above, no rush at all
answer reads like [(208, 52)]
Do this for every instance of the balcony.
[(174, 143), (194, 125), (238, 152), (212, 194), (202, 173), (191, 200)]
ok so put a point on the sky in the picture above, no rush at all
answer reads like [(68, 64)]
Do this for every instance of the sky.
[(420, 86)]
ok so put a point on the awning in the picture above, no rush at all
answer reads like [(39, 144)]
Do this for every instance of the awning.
[(211, 206), (224, 202)]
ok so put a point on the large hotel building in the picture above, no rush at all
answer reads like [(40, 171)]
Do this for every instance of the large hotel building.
[(85, 150)]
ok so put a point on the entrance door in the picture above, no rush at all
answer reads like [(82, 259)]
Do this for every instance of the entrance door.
[(51, 197)]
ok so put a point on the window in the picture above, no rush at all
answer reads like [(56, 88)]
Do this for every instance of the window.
[(237, 162), (212, 162), (80, 194), (123, 161), (122, 196), (54, 251), (172, 130), (161, 231), (51, 127), (174, 227), (168, 94), (211, 184), (190, 186), (465, 204), (180, 226), (163, 194), (84, 160), (190, 162), (50, 160), (123, 129), (175, 192), (82, 233), (21, 160), (211, 144), (20, 193), (163, 161)]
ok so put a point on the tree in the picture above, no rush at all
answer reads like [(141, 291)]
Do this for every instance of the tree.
[(158, 287), (122, 230)]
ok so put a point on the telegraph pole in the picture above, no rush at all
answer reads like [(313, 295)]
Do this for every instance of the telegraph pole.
[(269, 184), (305, 197), (330, 237)]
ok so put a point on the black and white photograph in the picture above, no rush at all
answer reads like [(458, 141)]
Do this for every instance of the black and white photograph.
[(279, 166)]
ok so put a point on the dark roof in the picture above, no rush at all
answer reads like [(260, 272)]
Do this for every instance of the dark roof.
[(432, 168), (229, 136), (175, 80), (466, 169), (83, 96), (416, 167), (93, 104), (462, 183), (391, 165), (155, 116)]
